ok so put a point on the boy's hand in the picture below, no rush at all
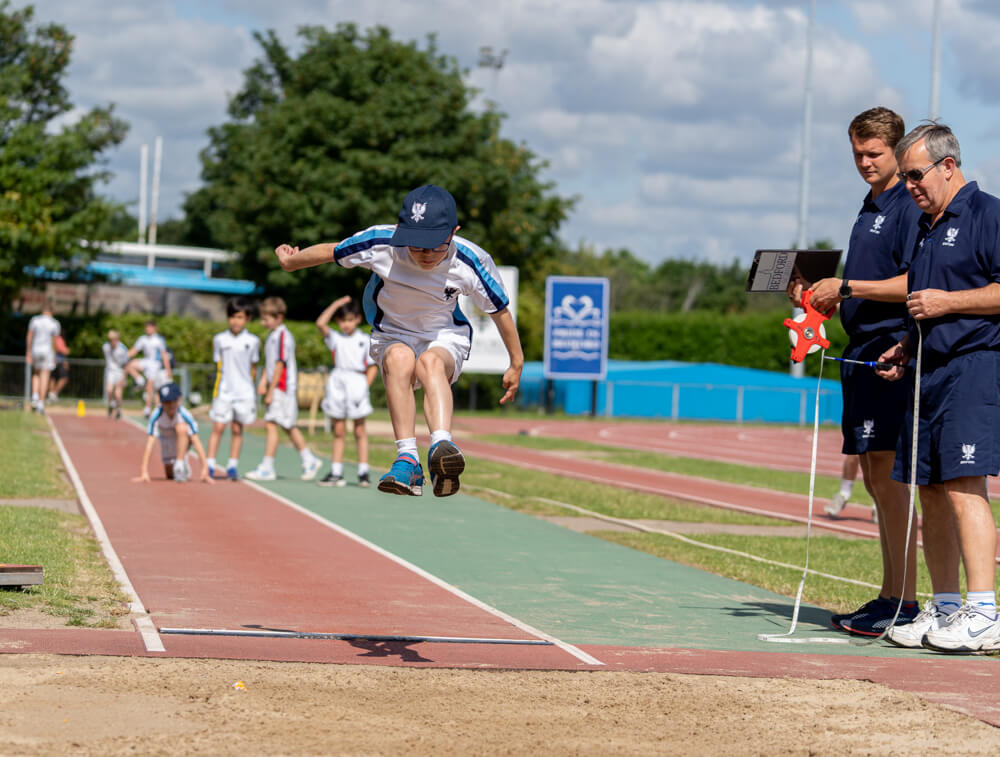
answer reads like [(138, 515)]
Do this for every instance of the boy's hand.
[(262, 387), (285, 253), (268, 397), (511, 381), (143, 478), (205, 477)]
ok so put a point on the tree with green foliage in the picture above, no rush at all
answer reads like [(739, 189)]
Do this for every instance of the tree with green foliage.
[(48, 176), (327, 143)]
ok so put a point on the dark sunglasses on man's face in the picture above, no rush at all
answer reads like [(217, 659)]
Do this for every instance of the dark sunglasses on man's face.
[(916, 175)]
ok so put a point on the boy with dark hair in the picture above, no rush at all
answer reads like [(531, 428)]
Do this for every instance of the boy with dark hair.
[(235, 353), (347, 387), (279, 388)]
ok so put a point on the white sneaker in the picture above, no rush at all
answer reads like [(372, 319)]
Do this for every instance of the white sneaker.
[(182, 470), (261, 474), (968, 630), (911, 635), (310, 469), (836, 505)]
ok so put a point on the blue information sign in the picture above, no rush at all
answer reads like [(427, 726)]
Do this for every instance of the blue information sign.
[(576, 327)]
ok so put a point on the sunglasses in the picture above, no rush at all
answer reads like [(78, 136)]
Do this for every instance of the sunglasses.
[(916, 175)]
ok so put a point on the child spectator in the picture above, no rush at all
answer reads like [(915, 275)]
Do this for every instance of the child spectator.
[(235, 353), (115, 360), (347, 387), (177, 432), (41, 354), (278, 387), (154, 364), (420, 337)]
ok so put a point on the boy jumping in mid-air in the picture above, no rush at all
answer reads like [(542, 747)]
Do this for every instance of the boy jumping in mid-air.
[(153, 368), (115, 360), (278, 387), (420, 337), (235, 353), (177, 432), (347, 388)]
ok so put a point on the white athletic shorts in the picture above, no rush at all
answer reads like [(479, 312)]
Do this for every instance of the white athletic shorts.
[(347, 396), (283, 410), (168, 448), (240, 409), (44, 360), (456, 344), (113, 376), (153, 371)]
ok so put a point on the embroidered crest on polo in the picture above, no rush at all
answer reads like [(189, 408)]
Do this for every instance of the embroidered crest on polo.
[(869, 429), (877, 225), (968, 454), (949, 237), (417, 211)]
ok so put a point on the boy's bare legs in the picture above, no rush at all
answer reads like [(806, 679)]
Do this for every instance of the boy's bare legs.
[(236, 442), (271, 440), (361, 436), (213, 444), (398, 373), (339, 434), (298, 441), (434, 369)]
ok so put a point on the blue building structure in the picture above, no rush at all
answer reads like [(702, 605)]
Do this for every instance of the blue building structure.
[(690, 391)]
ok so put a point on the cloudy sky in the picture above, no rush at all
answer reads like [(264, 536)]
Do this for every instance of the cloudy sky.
[(678, 124)]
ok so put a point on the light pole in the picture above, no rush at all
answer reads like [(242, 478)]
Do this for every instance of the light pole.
[(487, 59)]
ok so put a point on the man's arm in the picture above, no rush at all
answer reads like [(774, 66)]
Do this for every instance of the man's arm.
[(826, 292), (293, 259), (934, 303), (508, 332)]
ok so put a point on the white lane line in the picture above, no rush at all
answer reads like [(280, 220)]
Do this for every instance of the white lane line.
[(568, 648), (140, 615)]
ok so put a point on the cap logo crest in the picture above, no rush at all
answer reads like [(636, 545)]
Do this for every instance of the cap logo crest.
[(417, 211)]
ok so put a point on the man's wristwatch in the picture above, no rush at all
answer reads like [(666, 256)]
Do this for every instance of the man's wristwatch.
[(845, 290)]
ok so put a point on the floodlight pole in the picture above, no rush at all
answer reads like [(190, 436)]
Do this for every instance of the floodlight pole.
[(157, 162), (798, 369), (143, 171), (934, 111), (495, 62)]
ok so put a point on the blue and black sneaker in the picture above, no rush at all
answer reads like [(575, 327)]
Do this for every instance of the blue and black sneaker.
[(877, 604), (445, 463), (404, 477), (877, 620)]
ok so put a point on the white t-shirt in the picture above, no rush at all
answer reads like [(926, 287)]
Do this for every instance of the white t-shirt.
[(162, 425), (234, 356), (280, 345), (350, 353), (402, 299), (43, 328), (115, 357), (153, 348)]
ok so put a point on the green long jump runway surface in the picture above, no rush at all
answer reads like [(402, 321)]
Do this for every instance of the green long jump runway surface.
[(576, 587)]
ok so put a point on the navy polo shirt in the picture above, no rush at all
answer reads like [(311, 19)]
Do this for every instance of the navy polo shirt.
[(880, 248), (961, 251)]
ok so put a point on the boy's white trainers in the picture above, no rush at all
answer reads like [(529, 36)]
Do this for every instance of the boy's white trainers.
[(262, 474), (836, 505), (968, 630), (310, 469), (182, 470), (911, 635)]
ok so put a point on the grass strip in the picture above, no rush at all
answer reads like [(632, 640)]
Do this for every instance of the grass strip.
[(30, 466)]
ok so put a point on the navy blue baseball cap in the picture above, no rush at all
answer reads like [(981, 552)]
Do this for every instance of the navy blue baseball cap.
[(170, 392), (427, 219)]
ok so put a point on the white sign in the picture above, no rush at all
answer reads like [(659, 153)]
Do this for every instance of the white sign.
[(489, 355)]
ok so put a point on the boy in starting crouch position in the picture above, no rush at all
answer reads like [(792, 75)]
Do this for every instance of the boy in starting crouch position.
[(420, 337), (177, 432)]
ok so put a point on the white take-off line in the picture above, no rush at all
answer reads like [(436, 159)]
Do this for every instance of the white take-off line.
[(140, 615), (566, 647)]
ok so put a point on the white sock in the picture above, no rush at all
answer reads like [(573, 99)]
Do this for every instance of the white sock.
[(233, 462), (211, 462), (846, 486), (986, 601), (267, 463), (307, 456), (337, 469), (441, 435), (947, 602), (407, 445), (34, 396), (362, 468)]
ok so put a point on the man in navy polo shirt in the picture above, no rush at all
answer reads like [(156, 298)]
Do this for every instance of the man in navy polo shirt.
[(871, 297), (954, 301)]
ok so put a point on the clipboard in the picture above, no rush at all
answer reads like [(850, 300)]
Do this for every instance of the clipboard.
[(771, 270)]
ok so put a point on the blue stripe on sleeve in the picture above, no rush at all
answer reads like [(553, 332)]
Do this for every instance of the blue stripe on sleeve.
[(151, 428), (494, 290), (369, 301), (362, 241), (189, 420)]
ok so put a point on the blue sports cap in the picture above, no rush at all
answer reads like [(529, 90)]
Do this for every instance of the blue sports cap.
[(170, 392), (427, 219)]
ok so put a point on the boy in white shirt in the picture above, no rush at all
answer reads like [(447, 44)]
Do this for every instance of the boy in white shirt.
[(40, 354), (177, 432), (235, 353), (154, 363), (278, 386), (419, 334), (115, 360), (347, 387)]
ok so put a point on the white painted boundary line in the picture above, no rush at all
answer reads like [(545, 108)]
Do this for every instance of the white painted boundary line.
[(568, 648), (140, 615)]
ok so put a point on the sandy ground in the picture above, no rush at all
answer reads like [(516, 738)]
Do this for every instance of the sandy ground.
[(53, 705)]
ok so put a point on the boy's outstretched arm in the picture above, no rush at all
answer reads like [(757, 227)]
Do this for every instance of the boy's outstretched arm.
[(200, 449), (323, 322), (293, 259), (508, 332), (144, 469)]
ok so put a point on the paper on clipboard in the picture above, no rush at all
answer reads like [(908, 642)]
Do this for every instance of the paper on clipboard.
[(771, 270)]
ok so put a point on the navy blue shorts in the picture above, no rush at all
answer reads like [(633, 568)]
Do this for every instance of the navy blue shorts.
[(959, 421), (873, 407)]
